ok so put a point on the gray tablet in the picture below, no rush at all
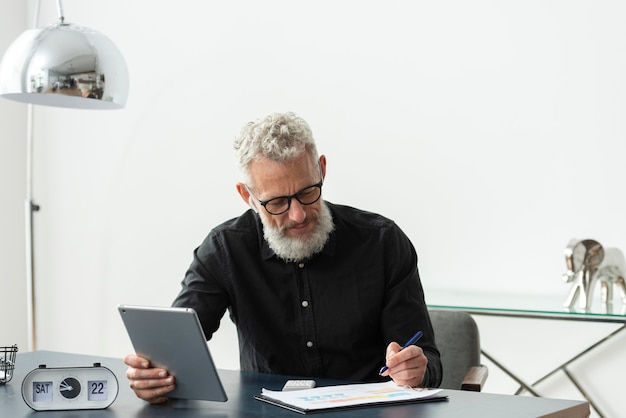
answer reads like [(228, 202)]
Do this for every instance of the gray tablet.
[(172, 338)]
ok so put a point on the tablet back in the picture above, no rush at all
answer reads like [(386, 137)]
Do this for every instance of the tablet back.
[(172, 338)]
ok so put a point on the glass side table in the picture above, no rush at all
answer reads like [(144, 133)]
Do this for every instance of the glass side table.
[(530, 306)]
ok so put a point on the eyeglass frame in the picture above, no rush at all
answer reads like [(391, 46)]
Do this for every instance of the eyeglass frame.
[(289, 198)]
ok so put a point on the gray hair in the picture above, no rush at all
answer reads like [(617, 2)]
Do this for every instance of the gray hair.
[(279, 137)]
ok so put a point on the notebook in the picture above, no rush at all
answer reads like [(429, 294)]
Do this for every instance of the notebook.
[(348, 396), (172, 338)]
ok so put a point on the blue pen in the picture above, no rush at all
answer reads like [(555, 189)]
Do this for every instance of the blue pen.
[(412, 341)]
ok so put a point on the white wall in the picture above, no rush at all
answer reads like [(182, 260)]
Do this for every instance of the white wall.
[(492, 132), (13, 322)]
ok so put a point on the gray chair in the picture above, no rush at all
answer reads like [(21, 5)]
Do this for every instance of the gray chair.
[(458, 341)]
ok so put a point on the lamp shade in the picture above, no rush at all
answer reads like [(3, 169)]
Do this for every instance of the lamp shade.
[(64, 65)]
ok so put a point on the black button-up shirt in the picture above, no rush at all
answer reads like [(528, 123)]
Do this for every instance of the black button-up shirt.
[(331, 316)]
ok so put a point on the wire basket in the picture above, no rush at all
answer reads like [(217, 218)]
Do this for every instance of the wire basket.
[(7, 363)]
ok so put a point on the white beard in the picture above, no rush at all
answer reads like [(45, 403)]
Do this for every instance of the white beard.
[(297, 249)]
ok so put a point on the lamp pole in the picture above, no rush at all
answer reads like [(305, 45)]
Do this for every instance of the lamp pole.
[(31, 208)]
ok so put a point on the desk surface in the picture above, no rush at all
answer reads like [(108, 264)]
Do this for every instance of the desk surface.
[(242, 386)]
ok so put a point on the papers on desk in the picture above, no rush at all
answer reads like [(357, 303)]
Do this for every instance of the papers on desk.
[(347, 396)]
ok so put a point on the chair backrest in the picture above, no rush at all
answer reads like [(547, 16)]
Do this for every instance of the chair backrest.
[(458, 341)]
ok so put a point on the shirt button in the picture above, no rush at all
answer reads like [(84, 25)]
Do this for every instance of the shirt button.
[(309, 344), (305, 303), (301, 265)]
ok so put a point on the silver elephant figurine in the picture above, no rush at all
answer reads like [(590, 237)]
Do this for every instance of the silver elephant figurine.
[(588, 264)]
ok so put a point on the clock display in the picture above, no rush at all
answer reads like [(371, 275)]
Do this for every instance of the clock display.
[(69, 388), (42, 391), (97, 390)]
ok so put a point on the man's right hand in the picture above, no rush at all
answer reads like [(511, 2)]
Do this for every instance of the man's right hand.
[(149, 383)]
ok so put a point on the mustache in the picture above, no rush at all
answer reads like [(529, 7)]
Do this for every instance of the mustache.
[(289, 225)]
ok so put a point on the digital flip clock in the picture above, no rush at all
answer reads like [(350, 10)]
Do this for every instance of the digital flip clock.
[(68, 388)]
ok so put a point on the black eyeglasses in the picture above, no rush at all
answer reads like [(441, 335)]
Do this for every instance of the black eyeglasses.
[(281, 204)]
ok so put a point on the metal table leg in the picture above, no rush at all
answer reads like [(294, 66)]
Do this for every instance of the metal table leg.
[(530, 388)]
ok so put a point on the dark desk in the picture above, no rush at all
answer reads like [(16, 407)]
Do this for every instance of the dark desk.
[(241, 386)]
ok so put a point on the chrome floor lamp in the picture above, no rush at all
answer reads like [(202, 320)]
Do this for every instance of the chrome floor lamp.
[(62, 65)]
